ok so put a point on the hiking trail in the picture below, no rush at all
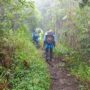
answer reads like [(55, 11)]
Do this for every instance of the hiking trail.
[(61, 79)]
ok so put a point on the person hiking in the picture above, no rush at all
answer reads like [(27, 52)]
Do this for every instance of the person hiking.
[(49, 43), (35, 38), (40, 31)]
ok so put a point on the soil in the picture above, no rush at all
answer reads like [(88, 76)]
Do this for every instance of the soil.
[(61, 79)]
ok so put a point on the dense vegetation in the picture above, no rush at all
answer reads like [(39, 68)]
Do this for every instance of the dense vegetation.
[(75, 42), (22, 66), (70, 19)]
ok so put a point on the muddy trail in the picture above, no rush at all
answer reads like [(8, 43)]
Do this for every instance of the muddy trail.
[(60, 76)]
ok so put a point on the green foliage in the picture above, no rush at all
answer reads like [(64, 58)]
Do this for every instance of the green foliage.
[(84, 3), (27, 69), (76, 39), (13, 14), (32, 76), (78, 68), (61, 50), (74, 62), (77, 35)]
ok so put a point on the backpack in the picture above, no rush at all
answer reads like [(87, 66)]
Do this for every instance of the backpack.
[(35, 36), (50, 39)]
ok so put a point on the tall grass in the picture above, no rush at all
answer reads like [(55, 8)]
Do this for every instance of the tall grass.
[(28, 70)]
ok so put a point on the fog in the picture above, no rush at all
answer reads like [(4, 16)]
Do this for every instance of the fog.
[(54, 12), (62, 4)]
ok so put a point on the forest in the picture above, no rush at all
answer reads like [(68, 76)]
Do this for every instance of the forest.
[(23, 65)]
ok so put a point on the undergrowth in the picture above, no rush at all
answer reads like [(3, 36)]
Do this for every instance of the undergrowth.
[(28, 70), (61, 50), (75, 63)]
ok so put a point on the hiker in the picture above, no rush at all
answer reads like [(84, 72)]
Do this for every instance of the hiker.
[(49, 44), (40, 31), (35, 38)]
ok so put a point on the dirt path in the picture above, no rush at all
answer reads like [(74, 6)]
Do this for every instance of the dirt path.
[(61, 79)]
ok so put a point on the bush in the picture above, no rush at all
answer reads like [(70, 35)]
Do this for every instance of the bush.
[(28, 70), (61, 50)]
